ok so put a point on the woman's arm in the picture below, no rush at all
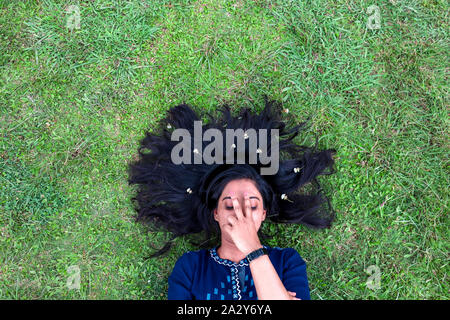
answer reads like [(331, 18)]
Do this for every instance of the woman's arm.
[(268, 284)]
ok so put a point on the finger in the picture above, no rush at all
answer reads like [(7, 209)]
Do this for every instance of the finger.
[(231, 220), (237, 208), (247, 206), (226, 227)]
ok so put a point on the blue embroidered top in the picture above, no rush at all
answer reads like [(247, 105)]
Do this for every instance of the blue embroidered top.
[(202, 275)]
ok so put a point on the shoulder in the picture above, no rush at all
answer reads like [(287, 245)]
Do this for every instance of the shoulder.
[(191, 258), (187, 264), (285, 255)]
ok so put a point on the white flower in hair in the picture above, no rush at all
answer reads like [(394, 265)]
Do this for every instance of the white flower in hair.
[(189, 190), (258, 150), (196, 150), (284, 197), (169, 126), (296, 170), (245, 135), (233, 146)]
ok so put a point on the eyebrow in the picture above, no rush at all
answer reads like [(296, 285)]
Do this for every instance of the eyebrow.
[(250, 198)]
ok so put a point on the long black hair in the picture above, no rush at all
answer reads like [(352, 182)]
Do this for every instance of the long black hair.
[(180, 198)]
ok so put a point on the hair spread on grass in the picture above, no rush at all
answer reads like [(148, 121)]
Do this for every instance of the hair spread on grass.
[(163, 200)]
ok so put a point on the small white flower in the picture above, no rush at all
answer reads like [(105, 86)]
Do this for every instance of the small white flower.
[(258, 150), (284, 197), (169, 126), (189, 190), (245, 135), (286, 110), (233, 146), (196, 150), (296, 170)]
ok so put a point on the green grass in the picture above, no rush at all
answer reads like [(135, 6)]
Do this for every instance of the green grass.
[(75, 103)]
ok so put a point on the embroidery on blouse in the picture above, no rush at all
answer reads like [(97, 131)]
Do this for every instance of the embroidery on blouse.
[(234, 270)]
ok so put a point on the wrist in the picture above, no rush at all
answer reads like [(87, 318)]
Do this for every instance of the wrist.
[(252, 249), (256, 254)]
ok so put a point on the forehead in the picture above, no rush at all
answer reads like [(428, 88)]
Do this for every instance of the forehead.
[(240, 186)]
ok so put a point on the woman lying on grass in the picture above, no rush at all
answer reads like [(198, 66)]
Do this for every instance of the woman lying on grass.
[(230, 201)]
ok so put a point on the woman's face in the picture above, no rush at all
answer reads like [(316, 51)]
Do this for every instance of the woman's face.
[(238, 188)]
